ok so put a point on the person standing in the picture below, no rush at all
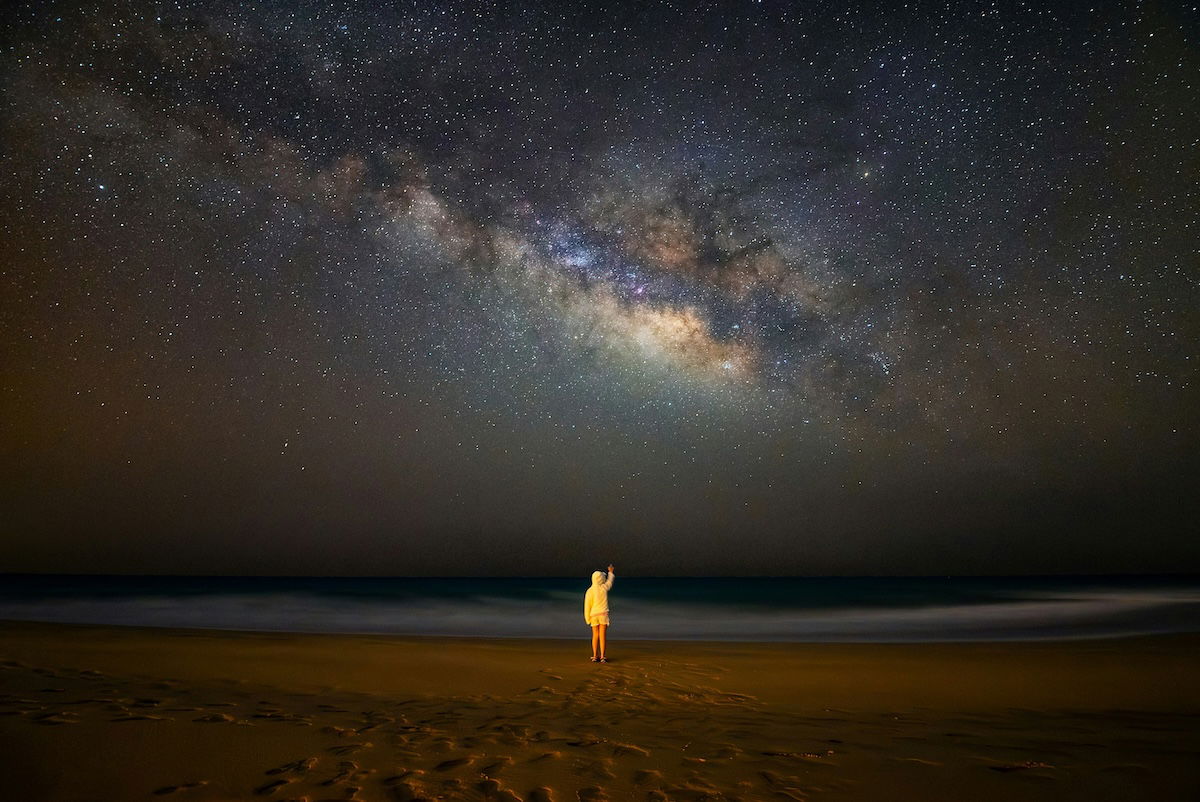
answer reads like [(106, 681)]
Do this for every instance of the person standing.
[(595, 612)]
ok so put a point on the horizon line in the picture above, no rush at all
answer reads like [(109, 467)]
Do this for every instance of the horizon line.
[(1094, 574)]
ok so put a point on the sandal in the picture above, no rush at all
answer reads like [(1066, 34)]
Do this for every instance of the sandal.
[(595, 659), (603, 659)]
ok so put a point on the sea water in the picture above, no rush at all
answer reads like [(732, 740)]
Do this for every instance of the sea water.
[(798, 609)]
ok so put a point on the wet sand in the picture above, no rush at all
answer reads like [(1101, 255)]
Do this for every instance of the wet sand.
[(111, 713)]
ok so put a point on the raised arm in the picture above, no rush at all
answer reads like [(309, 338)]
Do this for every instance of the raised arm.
[(611, 577)]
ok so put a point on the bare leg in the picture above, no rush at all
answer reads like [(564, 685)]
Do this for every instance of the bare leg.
[(603, 629), (595, 640)]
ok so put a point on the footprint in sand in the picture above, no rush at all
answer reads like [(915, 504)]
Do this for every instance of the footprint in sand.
[(629, 750), (349, 749), (593, 793), (171, 789), (490, 789), (596, 769), (783, 787), (693, 787), (453, 763), (695, 762), (404, 776), (301, 766), (519, 730), (266, 789), (496, 766), (647, 777), (63, 717), (585, 742), (215, 718), (541, 794), (349, 772), (409, 754), (372, 725), (472, 741), (405, 792)]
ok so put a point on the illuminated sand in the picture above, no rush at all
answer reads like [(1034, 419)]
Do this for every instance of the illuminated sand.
[(93, 713)]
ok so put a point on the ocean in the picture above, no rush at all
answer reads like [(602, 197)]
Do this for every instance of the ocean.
[(795, 609)]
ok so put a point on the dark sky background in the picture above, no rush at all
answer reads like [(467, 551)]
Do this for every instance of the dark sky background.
[(462, 288)]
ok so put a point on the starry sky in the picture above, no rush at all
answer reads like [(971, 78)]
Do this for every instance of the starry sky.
[(467, 288)]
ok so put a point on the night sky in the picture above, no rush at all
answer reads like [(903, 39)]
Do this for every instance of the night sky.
[(696, 288)]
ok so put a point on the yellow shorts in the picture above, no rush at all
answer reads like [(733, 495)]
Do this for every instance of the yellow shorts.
[(597, 620)]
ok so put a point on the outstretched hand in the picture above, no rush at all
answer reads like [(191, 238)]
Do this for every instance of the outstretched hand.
[(610, 568)]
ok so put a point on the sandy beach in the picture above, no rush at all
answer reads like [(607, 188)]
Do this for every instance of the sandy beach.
[(109, 713)]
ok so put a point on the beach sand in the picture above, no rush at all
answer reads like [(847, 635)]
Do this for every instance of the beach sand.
[(111, 713)]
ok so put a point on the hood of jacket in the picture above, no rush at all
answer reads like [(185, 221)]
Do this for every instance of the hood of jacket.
[(597, 577)]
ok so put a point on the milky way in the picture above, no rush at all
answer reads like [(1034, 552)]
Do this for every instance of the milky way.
[(466, 288)]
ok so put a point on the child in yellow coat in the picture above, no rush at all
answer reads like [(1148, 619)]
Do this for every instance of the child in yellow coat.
[(595, 611)]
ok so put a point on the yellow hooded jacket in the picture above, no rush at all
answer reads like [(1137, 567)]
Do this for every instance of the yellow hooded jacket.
[(595, 601)]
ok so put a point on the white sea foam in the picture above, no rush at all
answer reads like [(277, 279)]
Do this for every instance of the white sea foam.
[(1099, 613)]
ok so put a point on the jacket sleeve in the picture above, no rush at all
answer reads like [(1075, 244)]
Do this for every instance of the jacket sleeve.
[(587, 606), (611, 576)]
